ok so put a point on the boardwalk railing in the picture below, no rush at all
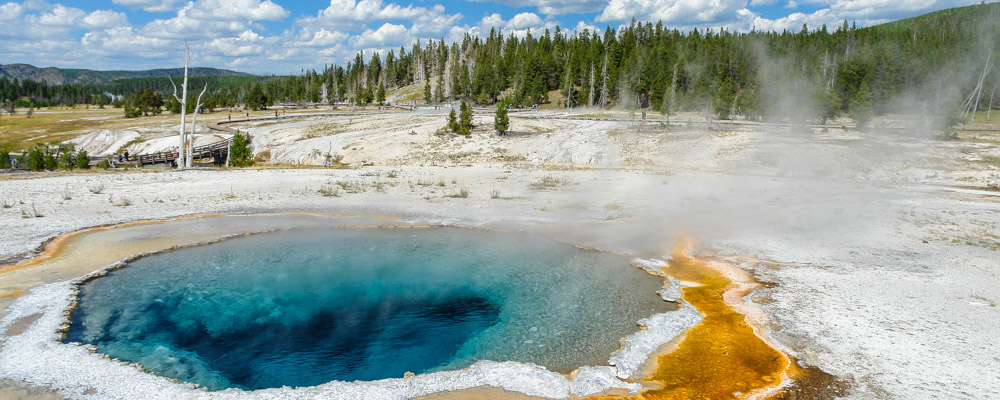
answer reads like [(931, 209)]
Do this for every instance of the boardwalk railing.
[(217, 151)]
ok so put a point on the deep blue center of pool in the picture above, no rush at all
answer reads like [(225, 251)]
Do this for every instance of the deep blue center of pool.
[(300, 308)]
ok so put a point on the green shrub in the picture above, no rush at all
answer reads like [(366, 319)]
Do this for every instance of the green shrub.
[(50, 162), (4, 159), (34, 159), (452, 121), (67, 160), (132, 111), (82, 159)]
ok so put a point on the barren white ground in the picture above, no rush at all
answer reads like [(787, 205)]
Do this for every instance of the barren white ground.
[(885, 246)]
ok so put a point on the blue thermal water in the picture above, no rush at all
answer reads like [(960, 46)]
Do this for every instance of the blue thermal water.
[(300, 308)]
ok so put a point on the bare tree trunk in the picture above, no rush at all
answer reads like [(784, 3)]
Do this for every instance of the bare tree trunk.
[(590, 100), (972, 103), (732, 108), (673, 88), (449, 66), (604, 83), (194, 124), (336, 87), (569, 83), (989, 110), (181, 163)]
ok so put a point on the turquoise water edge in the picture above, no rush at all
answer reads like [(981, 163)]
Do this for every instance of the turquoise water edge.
[(303, 307)]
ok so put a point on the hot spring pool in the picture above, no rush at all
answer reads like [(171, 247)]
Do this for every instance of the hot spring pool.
[(304, 307)]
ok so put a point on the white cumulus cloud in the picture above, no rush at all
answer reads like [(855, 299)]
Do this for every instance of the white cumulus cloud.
[(556, 7), (10, 11), (673, 12), (387, 35), (104, 19), (232, 10), (62, 16)]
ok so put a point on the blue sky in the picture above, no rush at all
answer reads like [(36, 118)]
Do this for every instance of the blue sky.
[(280, 36)]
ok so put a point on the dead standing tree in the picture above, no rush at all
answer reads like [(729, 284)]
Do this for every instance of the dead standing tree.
[(590, 98), (194, 124), (971, 104), (185, 153), (182, 152), (604, 84)]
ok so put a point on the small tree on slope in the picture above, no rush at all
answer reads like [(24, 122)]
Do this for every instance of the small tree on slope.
[(501, 122)]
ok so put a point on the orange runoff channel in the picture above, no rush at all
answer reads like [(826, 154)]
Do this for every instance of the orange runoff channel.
[(720, 358)]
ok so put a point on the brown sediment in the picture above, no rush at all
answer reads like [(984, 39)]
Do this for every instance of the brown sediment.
[(479, 393), (56, 246), (13, 294), (813, 383)]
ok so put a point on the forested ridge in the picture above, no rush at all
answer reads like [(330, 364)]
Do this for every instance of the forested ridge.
[(926, 62), (60, 76)]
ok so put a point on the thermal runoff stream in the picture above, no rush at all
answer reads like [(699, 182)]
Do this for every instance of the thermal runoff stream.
[(303, 307)]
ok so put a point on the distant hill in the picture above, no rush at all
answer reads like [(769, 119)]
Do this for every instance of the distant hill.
[(59, 76), (986, 14)]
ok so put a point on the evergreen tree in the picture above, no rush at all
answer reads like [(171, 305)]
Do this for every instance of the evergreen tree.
[(4, 159), (49, 161), (132, 111), (380, 95), (427, 91), (861, 107), (34, 159), (465, 119), (148, 102), (724, 99), (256, 99), (827, 103), (82, 159), (240, 154), (500, 121), (65, 155), (452, 121)]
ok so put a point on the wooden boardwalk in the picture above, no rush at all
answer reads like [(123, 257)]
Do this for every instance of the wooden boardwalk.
[(218, 152)]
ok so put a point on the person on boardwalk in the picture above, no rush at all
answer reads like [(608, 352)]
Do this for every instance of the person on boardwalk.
[(126, 154)]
